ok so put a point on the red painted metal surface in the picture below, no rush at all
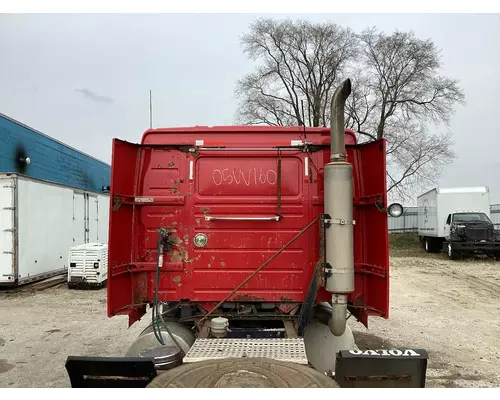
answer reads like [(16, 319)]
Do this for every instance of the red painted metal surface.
[(168, 182)]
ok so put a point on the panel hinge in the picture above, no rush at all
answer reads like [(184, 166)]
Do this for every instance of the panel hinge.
[(9, 208), (9, 230)]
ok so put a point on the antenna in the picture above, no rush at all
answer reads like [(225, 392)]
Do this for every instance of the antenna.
[(303, 120), (150, 111)]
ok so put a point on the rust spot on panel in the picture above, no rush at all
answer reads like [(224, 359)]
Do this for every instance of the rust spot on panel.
[(176, 239), (176, 256), (285, 299), (198, 220), (176, 279), (222, 264), (213, 257), (171, 164), (186, 238), (188, 194), (209, 265), (140, 288), (185, 255), (247, 297), (159, 166), (174, 223), (177, 181), (205, 210), (174, 191)]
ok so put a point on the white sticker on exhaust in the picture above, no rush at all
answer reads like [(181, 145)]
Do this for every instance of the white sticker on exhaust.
[(191, 168), (306, 166)]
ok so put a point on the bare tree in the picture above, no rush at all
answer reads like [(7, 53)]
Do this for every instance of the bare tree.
[(414, 159), (399, 95), (402, 72), (397, 90), (300, 64)]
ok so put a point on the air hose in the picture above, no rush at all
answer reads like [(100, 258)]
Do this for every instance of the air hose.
[(156, 315)]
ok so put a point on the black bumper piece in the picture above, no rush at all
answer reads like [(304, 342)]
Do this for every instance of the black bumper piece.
[(480, 247), (110, 372), (395, 368)]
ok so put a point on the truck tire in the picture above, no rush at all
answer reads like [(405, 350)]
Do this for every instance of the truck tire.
[(429, 245), (452, 254), (432, 245), (242, 373)]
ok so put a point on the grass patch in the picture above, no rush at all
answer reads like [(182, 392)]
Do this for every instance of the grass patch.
[(404, 241), (408, 245)]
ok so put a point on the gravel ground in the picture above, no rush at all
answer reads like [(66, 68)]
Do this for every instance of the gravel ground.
[(449, 308)]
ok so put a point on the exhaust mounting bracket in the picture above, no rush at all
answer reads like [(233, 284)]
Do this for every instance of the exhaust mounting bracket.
[(326, 221)]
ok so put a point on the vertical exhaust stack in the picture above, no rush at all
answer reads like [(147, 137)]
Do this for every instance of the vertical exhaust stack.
[(339, 210)]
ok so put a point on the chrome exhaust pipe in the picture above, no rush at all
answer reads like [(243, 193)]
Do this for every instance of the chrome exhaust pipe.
[(339, 234)]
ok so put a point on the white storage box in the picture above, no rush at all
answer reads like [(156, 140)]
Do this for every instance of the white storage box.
[(88, 265)]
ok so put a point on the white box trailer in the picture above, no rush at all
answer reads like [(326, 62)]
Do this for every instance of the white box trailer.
[(88, 265), (463, 213), (40, 222)]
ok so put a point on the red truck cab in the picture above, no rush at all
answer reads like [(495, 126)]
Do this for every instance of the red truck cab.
[(229, 198)]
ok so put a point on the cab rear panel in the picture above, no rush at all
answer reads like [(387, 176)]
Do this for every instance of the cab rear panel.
[(249, 190)]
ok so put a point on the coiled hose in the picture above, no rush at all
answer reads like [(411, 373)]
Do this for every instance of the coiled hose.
[(157, 317)]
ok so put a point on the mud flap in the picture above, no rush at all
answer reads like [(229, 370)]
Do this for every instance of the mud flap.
[(110, 372), (395, 368)]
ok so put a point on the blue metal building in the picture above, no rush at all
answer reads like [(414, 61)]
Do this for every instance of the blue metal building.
[(29, 152)]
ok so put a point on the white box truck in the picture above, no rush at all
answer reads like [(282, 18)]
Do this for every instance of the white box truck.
[(457, 220), (40, 222)]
